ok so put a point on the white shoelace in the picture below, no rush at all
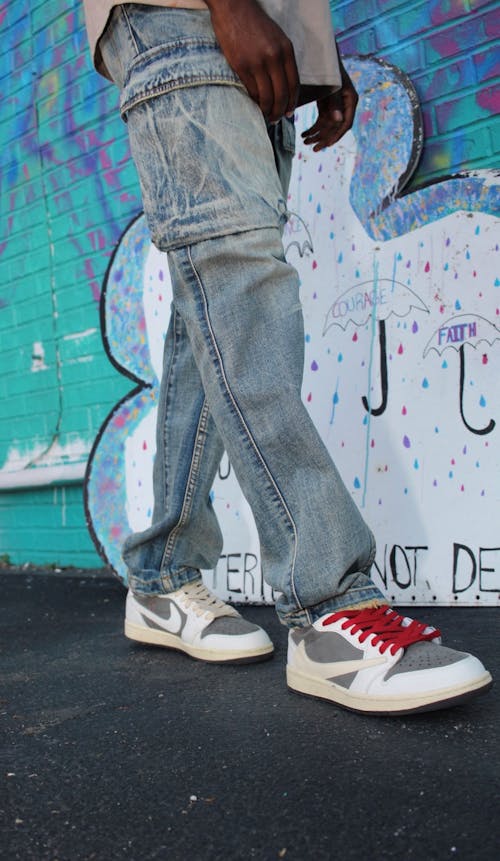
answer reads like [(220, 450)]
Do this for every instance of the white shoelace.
[(202, 601)]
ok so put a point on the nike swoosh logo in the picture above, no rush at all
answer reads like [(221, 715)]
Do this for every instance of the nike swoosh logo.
[(329, 670), (174, 624)]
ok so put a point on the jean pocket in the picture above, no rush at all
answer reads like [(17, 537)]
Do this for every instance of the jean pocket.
[(288, 134), (186, 62)]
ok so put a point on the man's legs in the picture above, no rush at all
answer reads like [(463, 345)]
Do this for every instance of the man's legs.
[(208, 172), (213, 201)]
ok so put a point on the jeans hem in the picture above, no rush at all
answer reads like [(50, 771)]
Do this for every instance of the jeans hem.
[(154, 583), (181, 237), (303, 618)]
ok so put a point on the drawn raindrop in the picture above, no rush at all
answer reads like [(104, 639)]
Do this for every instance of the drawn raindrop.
[(314, 365), (425, 383), (357, 483), (482, 401), (406, 441)]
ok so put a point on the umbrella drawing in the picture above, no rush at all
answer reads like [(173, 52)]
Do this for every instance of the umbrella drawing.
[(456, 333), (374, 300), (297, 235)]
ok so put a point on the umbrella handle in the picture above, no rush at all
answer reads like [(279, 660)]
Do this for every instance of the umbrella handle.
[(489, 427), (377, 411)]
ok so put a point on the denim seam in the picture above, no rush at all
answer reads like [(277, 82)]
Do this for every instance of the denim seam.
[(129, 27), (198, 448), (168, 48), (166, 471), (178, 84), (246, 428)]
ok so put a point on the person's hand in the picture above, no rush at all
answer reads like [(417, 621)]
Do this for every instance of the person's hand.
[(335, 115), (259, 52)]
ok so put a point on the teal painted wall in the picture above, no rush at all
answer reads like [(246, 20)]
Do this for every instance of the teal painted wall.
[(449, 48), (68, 190)]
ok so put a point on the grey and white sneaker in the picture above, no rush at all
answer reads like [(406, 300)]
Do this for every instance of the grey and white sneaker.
[(194, 621), (378, 662)]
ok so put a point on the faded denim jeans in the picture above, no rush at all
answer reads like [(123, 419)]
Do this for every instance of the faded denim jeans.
[(214, 181)]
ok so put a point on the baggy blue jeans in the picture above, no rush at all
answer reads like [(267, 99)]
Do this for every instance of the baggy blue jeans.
[(213, 180)]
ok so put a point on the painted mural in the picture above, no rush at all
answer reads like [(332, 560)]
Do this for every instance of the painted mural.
[(402, 311)]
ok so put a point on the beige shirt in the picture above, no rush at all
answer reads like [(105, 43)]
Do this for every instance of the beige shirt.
[(307, 24)]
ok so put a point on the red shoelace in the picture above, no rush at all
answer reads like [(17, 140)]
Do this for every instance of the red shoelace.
[(386, 624)]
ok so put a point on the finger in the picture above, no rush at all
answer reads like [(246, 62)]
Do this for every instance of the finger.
[(265, 97), (251, 87), (292, 77), (310, 131), (280, 93)]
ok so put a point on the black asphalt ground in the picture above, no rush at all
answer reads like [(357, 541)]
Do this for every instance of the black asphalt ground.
[(117, 751)]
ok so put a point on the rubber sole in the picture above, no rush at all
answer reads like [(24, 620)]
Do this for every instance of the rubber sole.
[(154, 637), (364, 704)]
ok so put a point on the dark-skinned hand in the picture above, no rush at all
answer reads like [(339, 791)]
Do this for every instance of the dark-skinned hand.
[(335, 115), (259, 52)]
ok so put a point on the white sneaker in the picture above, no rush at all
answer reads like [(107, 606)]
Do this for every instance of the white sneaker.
[(194, 621), (376, 661)]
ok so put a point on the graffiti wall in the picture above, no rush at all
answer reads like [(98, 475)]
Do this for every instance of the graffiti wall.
[(402, 314), (449, 50), (69, 190)]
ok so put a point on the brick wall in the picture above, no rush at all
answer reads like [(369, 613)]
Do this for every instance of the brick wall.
[(449, 48), (68, 190)]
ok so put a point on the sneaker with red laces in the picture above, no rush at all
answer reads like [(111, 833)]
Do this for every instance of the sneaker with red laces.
[(378, 662)]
